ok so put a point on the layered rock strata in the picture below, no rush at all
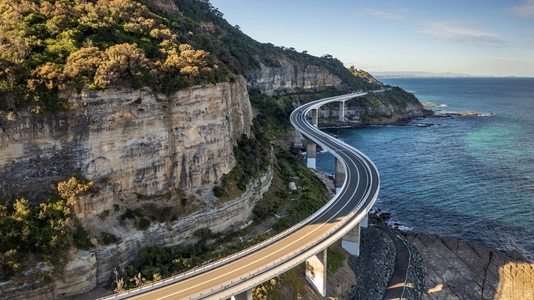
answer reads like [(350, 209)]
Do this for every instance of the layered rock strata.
[(127, 142), (135, 145), (329, 115), (290, 75)]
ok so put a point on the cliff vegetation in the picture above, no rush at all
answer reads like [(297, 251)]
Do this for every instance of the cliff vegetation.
[(154, 263), (43, 233), (149, 119), (51, 46)]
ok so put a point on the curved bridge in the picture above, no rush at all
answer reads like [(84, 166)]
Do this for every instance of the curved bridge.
[(242, 271)]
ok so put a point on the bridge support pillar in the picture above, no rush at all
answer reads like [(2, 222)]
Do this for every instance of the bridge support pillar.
[(364, 223), (298, 139), (351, 241), (315, 116), (311, 154), (340, 175), (316, 272), (247, 295), (342, 111)]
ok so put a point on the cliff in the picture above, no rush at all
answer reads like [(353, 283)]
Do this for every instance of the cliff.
[(137, 141), (289, 76), (392, 106), (143, 151), (154, 158), (385, 113)]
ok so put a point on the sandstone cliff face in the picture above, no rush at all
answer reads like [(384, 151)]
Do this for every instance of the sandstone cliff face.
[(87, 269), (129, 143), (79, 276), (397, 113), (353, 114), (136, 141), (217, 216), (290, 75)]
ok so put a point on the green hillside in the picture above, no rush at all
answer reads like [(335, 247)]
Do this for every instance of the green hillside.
[(47, 47)]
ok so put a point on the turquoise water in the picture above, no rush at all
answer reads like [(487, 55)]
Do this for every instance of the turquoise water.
[(467, 177)]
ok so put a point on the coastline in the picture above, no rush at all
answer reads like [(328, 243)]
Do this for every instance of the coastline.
[(438, 267), (445, 113)]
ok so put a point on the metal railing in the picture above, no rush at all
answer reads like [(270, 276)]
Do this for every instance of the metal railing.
[(289, 261)]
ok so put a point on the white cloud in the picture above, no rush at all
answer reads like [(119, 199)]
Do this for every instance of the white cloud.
[(382, 14), (457, 31), (525, 10)]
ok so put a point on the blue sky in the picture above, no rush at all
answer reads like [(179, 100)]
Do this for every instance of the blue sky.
[(476, 37)]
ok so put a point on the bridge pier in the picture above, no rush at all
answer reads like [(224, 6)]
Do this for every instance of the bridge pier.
[(315, 117), (316, 272), (340, 175), (351, 241), (298, 139), (364, 223), (342, 111), (311, 154), (247, 295)]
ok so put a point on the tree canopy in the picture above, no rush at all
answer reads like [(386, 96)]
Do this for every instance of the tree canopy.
[(54, 45), (49, 46)]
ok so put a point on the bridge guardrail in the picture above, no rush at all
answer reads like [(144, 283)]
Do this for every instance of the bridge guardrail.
[(207, 267)]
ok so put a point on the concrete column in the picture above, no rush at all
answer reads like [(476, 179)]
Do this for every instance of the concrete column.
[(316, 272), (364, 223), (247, 295), (351, 241), (311, 154), (314, 117), (340, 175), (342, 111), (298, 139)]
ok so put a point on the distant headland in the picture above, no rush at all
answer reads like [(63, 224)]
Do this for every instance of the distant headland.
[(423, 74)]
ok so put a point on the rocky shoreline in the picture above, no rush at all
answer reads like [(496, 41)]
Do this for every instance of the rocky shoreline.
[(444, 113), (438, 267), (374, 266)]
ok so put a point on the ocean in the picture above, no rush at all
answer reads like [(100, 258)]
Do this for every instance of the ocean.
[(471, 178)]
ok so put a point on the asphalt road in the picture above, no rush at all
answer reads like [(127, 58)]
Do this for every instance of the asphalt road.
[(349, 206)]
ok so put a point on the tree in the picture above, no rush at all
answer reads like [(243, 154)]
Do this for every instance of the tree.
[(21, 210), (84, 62), (72, 188), (50, 75), (121, 61), (187, 61)]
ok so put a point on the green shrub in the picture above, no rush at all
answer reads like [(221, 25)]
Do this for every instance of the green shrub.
[(139, 212), (81, 238), (219, 192), (335, 259), (143, 224), (44, 232), (128, 214), (204, 233), (167, 213), (104, 214), (109, 238)]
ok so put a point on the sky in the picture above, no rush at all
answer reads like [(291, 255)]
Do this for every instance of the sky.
[(475, 37)]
